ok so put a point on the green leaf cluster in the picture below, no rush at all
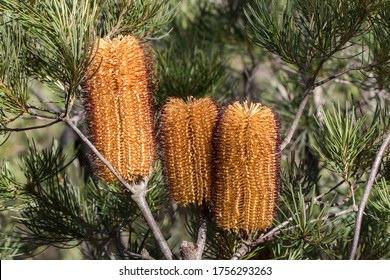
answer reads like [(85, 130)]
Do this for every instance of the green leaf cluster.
[(375, 243), (345, 140), (188, 67), (140, 18), (57, 211), (310, 233), (307, 33), (58, 37), (274, 52)]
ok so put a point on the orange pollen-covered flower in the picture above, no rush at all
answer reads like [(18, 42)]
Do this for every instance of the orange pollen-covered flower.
[(120, 109), (186, 141), (247, 156)]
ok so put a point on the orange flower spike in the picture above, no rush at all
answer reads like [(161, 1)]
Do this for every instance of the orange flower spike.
[(119, 105), (186, 137), (247, 155)]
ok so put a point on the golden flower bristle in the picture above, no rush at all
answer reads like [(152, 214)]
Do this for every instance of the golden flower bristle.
[(186, 140), (247, 155), (120, 109)]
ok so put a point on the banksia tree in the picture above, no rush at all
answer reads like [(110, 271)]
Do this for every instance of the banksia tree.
[(298, 55), (186, 134), (119, 103), (247, 152)]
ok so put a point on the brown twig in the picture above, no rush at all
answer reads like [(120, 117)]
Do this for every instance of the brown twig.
[(201, 242), (97, 153), (30, 127), (366, 194), (140, 198), (295, 122), (39, 116), (246, 246), (143, 256), (190, 251), (115, 29), (332, 216), (309, 91), (56, 113), (14, 118), (40, 98), (328, 191), (138, 190), (353, 67)]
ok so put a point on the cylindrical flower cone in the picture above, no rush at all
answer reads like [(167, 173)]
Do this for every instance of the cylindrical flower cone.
[(186, 141), (247, 155), (119, 105)]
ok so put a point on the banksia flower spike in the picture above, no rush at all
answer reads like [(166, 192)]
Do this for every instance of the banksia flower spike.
[(247, 154), (119, 105), (186, 140)]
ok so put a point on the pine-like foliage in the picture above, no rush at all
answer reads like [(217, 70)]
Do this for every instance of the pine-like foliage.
[(92, 87)]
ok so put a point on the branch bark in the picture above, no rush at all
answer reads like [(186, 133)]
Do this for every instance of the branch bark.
[(143, 256), (366, 194), (309, 91), (97, 153), (140, 199), (201, 243), (138, 190), (353, 67), (188, 250), (295, 122), (245, 247), (8, 129)]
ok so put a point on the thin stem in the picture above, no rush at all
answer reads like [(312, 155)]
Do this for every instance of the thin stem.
[(144, 207), (352, 189), (115, 29), (14, 118), (329, 191), (246, 246), (309, 91), (43, 109), (345, 71), (295, 122), (68, 100), (40, 98), (39, 116), (138, 190), (201, 242), (143, 256), (366, 194), (97, 153), (30, 127), (338, 214), (270, 235), (249, 75)]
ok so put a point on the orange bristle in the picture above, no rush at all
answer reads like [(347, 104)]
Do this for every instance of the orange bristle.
[(186, 140), (247, 154), (120, 109)]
